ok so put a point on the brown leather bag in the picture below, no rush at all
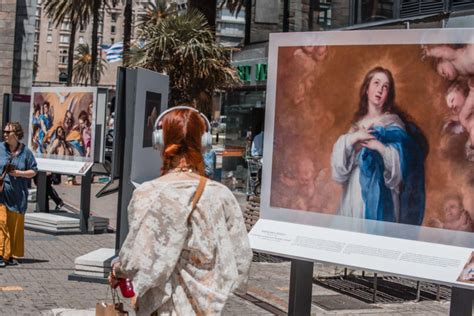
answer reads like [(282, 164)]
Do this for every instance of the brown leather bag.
[(111, 309), (8, 167)]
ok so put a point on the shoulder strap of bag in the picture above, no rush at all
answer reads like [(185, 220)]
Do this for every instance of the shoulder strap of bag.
[(199, 190)]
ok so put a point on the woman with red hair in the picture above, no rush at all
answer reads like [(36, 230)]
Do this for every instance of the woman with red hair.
[(187, 248)]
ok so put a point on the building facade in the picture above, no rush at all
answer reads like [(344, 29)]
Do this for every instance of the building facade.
[(7, 41), (52, 42), (16, 47)]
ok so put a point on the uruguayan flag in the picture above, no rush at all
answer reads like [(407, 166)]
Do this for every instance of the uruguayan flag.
[(114, 52)]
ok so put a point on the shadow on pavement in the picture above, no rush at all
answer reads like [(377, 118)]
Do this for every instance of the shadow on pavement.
[(30, 261), (389, 289)]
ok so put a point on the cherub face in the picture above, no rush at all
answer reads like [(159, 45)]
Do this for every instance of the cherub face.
[(60, 132), (306, 171), (455, 101), (452, 210), (378, 89), (447, 70)]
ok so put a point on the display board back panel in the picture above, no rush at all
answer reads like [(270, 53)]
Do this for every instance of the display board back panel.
[(148, 90)]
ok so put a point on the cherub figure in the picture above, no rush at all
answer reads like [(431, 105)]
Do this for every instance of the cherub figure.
[(452, 61), (300, 185), (460, 99), (455, 217), (309, 56), (467, 274)]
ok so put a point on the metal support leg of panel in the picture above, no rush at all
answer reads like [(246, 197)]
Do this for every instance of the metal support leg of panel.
[(374, 296), (418, 291), (461, 302), (42, 204), (301, 283), (85, 201)]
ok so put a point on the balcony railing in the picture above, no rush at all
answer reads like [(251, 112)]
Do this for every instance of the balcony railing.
[(376, 10)]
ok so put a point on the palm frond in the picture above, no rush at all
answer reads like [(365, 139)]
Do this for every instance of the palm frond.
[(183, 46), (234, 6), (83, 63)]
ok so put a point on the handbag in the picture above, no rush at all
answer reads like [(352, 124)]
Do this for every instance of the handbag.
[(8, 167), (108, 309)]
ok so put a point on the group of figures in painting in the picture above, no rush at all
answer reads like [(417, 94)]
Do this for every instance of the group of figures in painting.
[(61, 123), (380, 162)]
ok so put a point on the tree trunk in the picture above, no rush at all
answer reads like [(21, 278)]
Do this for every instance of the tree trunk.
[(127, 32), (95, 34), (70, 53), (207, 7)]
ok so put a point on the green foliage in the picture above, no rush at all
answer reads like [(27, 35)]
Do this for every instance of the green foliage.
[(183, 46), (76, 11), (234, 6), (158, 10), (83, 63)]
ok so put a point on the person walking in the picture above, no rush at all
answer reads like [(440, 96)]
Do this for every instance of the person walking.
[(51, 192), (187, 248), (18, 164)]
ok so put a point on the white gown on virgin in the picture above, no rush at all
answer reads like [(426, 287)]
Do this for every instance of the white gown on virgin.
[(346, 171)]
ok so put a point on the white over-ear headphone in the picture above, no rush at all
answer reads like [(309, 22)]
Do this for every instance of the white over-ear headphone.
[(158, 140)]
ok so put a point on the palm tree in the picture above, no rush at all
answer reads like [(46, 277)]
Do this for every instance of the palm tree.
[(83, 63), (208, 7), (183, 46), (94, 6), (234, 6), (74, 11), (157, 11), (127, 31)]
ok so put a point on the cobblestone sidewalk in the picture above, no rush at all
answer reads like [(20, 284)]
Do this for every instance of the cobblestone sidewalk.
[(39, 286)]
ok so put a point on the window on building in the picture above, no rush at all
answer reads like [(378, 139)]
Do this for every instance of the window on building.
[(62, 76), (112, 40), (49, 38), (373, 10), (37, 37), (112, 29), (65, 26), (81, 40), (64, 39), (37, 24), (82, 29), (50, 25), (113, 17), (63, 56), (38, 12), (63, 60)]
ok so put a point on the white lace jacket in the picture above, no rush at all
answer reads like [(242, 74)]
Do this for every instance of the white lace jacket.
[(180, 267)]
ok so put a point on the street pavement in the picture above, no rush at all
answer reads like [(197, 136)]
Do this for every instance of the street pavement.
[(40, 286)]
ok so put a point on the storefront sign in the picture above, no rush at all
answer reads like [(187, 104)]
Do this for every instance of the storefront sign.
[(251, 73)]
